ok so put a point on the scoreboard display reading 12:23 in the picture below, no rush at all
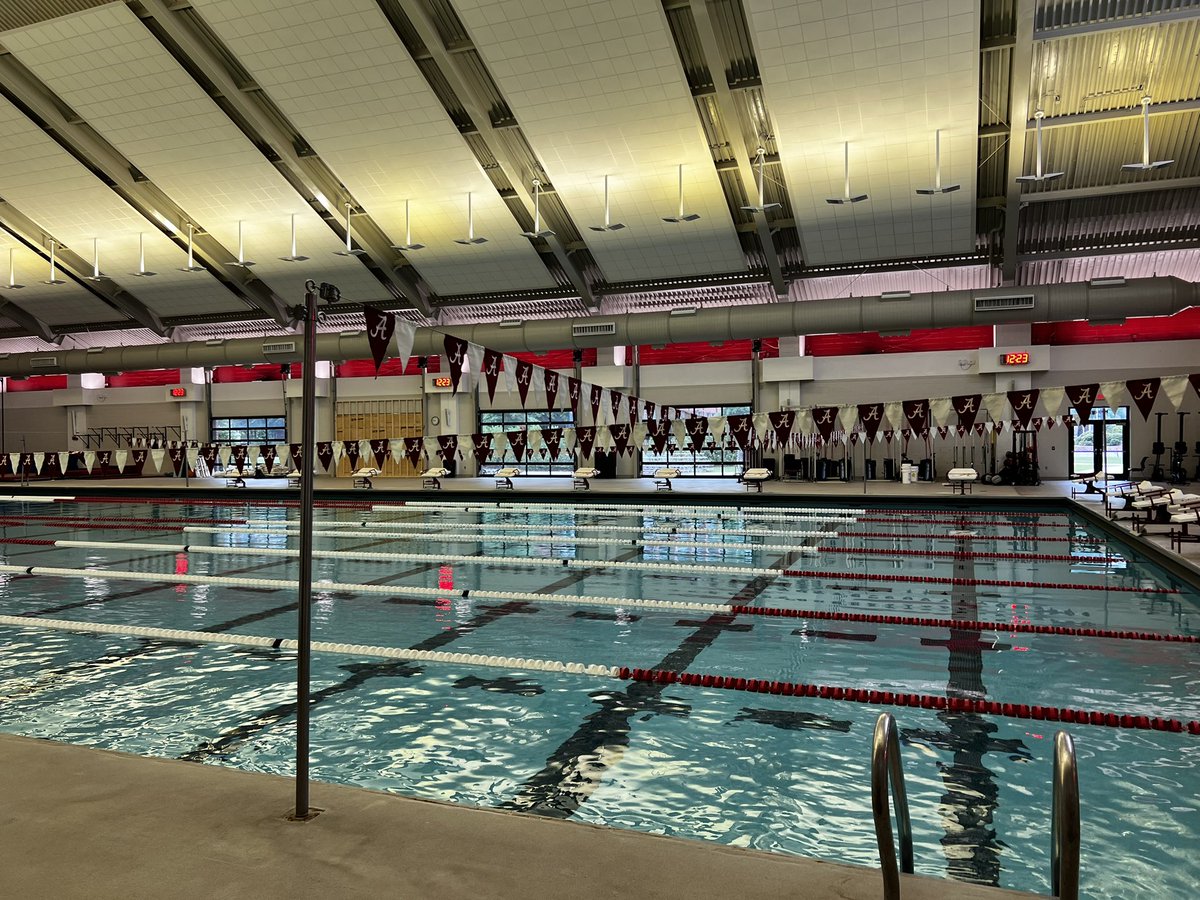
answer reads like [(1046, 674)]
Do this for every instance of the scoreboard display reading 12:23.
[(1016, 358)]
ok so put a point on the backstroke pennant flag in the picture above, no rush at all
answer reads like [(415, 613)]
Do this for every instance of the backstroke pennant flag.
[(1023, 403), (620, 437), (412, 450), (552, 437), (1144, 391), (456, 355), (381, 326), (574, 388), (379, 450), (967, 407), (825, 418), (351, 451), (659, 430), (491, 370), (448, 446), (587, 439), (871, 416), (782, 423), (596, 394), (917, 414), (550, 377), (483, 446), (697, 430), (325, 454), (516, 443), (1082, 398), (741, 427), (524, 379)]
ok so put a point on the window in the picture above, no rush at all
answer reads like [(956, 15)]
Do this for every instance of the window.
[(518, 419), (713, 461), (249, 431)]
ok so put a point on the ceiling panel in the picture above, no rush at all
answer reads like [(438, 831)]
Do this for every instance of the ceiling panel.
[(598, 90), (52, 188), (54, 304), (338, 71), (882, 75), (108, 67)]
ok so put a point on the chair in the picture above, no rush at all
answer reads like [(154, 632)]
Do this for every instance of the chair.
[(1139, 468)]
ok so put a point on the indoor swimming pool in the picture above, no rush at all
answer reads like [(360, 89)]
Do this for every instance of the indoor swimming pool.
[(1034, 610)]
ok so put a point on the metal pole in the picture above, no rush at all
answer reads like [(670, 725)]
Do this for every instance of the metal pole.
[(304, 632)]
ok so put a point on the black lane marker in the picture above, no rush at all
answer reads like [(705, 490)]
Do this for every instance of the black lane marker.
[(792, 721)]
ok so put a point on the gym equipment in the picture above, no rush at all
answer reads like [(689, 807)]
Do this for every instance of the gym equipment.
[(1198, 460), (1024, 448), (1178, 452), (1158, 448)]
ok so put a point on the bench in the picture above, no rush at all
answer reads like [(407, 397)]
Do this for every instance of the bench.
[(581, 479), (431, 479), (505, 476), (662, 478), (754, 478)]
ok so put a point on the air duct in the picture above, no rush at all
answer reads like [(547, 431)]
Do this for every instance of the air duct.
[(946, 309)]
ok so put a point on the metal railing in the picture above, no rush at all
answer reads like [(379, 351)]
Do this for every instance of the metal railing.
[(1064, 821), (886, 770)]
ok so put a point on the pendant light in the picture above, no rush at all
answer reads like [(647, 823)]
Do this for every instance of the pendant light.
[(141, 272), (763, 206), (12, 274), (241, 260), (682, 217), (938, 188), (294, 257), (608, 224), (1145, 165), (95, 276), (470, 238), (1039, 175), (350, 250), (408, 241), (53, 279), (847, 197), (538, 231), (191, 263)]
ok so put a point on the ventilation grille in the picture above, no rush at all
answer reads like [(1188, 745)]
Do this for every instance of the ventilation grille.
[(999, 304), (43, 362), (589, 328), (280, 347)]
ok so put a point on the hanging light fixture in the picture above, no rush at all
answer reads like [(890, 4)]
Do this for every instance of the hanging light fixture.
[(408, 241), (938, 188), (12, 274), (294, 257), (470, 238), (538, 231), (350, 250), (608, 224), (847, 197), (53, 279), (690, 217), (191, 263), (763, 206), (1039, 175), (241, 260), (95, 276), (1145, 165), (141, 272)]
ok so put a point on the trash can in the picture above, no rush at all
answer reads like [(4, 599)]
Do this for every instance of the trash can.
[(925, 470), (908, 473), (870, 469), (889, 469)]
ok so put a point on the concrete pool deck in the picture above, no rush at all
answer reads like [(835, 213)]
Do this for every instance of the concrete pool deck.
[(78, 822)]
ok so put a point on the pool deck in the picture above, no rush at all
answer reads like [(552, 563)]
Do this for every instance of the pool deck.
[(78, 822)]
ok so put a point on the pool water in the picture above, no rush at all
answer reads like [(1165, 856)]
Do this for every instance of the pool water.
[(778, 773)]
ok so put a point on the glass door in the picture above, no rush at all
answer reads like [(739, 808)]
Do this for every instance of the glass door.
[(1102, 444)]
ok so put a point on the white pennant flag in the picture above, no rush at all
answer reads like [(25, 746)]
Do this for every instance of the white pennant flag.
[(193, 454), (510, 373), (894, 413), (534, 441), (475, 364), (1175, 386), (396, 449), (89, 460), (224, 454), (339, 450), (638, 434), (1055, 400), (717, 426), (38, 459), (403, 341), (120, 458), (1115, 394), (499, 445), (63, 459), (156, 459), (433, 451), (283, 454), (14, 460), (997, 406), (942, 408)]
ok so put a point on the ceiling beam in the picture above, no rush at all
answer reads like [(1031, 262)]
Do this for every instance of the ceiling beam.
[(1018, 108), (1099, 190), (308, 174), (451, 64), (713, 58), (1135, 21), (27, 231), (87, 146), (1109, 115), (1145, 246)]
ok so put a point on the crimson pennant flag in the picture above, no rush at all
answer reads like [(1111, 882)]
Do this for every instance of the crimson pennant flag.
[(1194, 380), (483, 446), (825, 418), (1023, 403), (5, 464), (448, 444), (979, 429), (917, 414), (574, 388), (967, 407), (597, 394), (412, 450), (491, 370), (1144, 391), (1037, 423), (888, 434), (550, 378), (208, 453), (297, 455), (516, 443), (138, 458), (587, 439), (324, 454), (104, 458), (267, 452), (552, 437), (380, 328), (620, 436), (658, 430), (664, 412), (854, 438), (781, 424), (741, 427), (524, 379), (352, 454), (1082, 397), (241, 457), (697, 430), (50, 467), (871, 415), (379, 449), (648, 406), (175, 454), (633, 408), (942, 431), (456, 355), (614, 398), (961, 430)]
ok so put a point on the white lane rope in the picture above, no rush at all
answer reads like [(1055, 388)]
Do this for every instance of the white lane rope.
[(440, 526), (251, 640), (617, 507)]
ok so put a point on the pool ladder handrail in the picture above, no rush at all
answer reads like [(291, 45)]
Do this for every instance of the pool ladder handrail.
[(1064, 821), (887, 771)]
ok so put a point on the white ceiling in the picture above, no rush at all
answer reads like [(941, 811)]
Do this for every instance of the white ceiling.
[(883, 75)]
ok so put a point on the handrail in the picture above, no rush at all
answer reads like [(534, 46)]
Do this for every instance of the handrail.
[(886, 767), (1064, 821)]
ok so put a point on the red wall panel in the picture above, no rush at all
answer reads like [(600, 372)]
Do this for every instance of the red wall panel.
[(365, 368), (701, 351), (1182, 326), (966, 338), (38, 383), (148, 378)]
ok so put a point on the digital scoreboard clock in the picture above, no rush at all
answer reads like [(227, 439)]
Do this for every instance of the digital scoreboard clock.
[(442, 382), (1018, 358), (178, 392)]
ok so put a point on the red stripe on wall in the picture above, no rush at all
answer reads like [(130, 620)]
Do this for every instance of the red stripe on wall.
[(37, 383), (148, 378), (1182, 326), (970, 337), (365, 368), (701, 351)]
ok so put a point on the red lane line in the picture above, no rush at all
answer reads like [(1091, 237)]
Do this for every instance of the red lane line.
[(978, 514), (34, 542), (959, 522), (963, 625), (62, 520), (989, 582), (956, 554), (924, 701), (209, 501), (89, 526), (907, 535)]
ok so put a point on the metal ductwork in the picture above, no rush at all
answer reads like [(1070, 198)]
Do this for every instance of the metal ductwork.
[(1101, 303)]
